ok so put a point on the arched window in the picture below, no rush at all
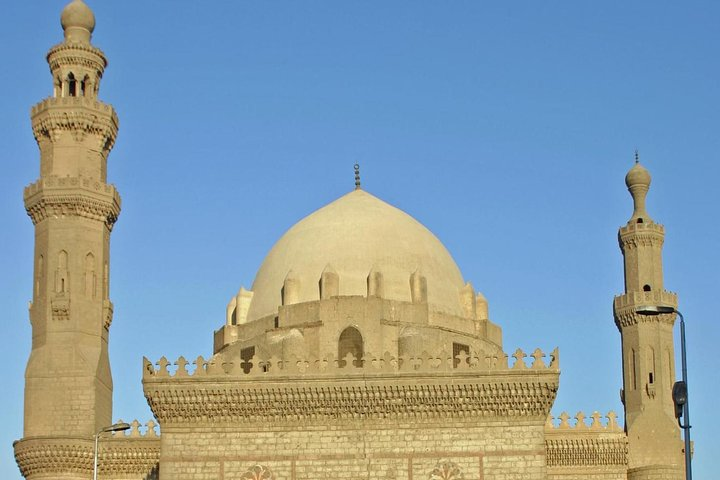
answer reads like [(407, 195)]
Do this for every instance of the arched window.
[(72, 85), (351, 341)]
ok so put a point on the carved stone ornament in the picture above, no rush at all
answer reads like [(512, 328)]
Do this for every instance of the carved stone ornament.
[(258, 472), (446, 471)]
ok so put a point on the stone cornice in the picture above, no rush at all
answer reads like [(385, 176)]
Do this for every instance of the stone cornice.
[(74, 455), (77, 54), (72, 196), (379, 390), (586, 450), (388, 397), (636, 235), (79, 115)]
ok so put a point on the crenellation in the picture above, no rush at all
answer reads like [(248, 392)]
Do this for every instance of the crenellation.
[(87, 102), (328, 365), (596, 422)]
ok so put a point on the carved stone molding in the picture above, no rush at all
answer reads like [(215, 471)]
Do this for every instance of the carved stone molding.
[(586, 451), (389, 397), (78, 115), (57, 456), (72, 196), (73, 57), (634, 241), (47, 456), (93, 56), (625, 307)]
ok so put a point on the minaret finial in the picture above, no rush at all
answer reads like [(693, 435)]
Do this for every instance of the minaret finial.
[(357, 176), (637, 156)]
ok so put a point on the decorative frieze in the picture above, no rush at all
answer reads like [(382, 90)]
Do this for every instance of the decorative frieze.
[(72, 196), (625, 307), (77, 115), (76, 53), (133, 454), (636, 235), (371, 388), (583, 445)]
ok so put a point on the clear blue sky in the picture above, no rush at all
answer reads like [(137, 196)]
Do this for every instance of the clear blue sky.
[(505, 127)]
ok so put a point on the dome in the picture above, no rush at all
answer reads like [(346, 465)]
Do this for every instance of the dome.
[(77, 15), (354, 235), (638, 175)]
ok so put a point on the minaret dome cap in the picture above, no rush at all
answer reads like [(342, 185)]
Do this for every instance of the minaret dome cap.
[(77, 15), (638, 175)]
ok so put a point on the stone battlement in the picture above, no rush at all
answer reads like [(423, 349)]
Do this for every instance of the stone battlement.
[(330, 366), (561, 423), (635, 299), (88, 102), (137, 430), (597, 445)]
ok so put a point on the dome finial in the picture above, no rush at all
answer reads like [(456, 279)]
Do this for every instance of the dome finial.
[(638, 182), (78, 22), (357, 176)]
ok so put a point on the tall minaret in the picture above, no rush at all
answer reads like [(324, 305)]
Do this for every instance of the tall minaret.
[(68, 385), (647, 344)]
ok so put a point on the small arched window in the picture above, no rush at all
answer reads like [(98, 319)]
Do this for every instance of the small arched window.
[(351, 342), (72, 85), (647, 288)]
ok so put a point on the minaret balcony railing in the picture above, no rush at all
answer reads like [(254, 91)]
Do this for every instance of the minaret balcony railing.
[(86, 102)]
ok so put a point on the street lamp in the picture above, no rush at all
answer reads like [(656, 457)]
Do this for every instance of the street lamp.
[(680, 389), (116, 427)]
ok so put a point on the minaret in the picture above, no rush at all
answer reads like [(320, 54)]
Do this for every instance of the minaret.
[(655, 448), (68, 385)]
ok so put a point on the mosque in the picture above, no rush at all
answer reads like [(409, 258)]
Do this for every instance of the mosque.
[(359, 353)]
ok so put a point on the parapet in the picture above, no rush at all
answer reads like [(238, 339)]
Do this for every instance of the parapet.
[(328, 365), (427, 387), (597, 445)]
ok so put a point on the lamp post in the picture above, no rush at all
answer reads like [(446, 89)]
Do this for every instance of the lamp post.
[(116, 427), (680, 389)]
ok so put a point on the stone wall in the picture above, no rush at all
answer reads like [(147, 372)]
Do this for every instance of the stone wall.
[(357, 450)]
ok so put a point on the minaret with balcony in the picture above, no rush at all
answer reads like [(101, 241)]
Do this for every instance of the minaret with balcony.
[(68, 385), (654, 445)]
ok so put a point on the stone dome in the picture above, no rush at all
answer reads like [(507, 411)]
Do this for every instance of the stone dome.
[(638, 175), (355, 234), (77, 15)]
